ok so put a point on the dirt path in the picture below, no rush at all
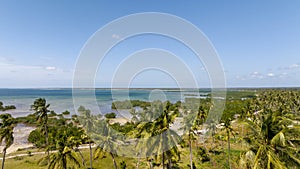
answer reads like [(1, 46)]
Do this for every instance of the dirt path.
[(36, 153)]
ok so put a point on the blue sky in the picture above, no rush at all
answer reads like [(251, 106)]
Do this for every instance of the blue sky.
[(257, 41)]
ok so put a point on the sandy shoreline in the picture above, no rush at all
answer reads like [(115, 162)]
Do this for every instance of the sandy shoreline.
[(21, 133)]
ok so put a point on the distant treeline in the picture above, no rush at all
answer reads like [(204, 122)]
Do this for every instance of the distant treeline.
[(128, 104), (4, 108)]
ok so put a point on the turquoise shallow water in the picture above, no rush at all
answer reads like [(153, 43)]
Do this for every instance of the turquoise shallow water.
[(61, 99)]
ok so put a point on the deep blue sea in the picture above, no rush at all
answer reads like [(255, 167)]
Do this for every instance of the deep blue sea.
[(62, 99)]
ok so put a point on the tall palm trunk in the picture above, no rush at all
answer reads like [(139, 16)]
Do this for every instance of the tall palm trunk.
[(228, 142), (64, 163), (91, 155), (191, 153), (81, 156), (114, 161), (138, 162), (3, 159), (163, 160), (170, 166), (150, 164), (213, 145), (47, 142)]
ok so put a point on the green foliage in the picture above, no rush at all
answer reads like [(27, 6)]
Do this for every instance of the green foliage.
[(202, 154), (129, 104), (63, 138), (123, 165), (52, 114), (4, 108), (274, 130), (66, 112), (159, 137), (194, 166), (30, 119), (6, 130), (110, 115), (124, 129), (6, 133), (232, 108), (238, 94), (36, 138), (60, 129), (108, 141)]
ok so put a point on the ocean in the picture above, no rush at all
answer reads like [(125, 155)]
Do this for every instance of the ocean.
[(63, 99)]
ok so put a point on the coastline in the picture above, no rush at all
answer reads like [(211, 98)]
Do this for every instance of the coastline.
[(21, 133)]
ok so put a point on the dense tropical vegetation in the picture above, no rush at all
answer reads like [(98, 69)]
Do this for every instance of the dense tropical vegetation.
[(258, 129)]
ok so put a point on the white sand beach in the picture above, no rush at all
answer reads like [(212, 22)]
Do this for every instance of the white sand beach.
[(122, 121), (21, 133)]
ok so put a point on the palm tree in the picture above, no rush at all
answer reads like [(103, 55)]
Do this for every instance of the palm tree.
[(6, 133), (212, 127), (77, 141), (163, 138), (134, 114), (66, 139), (40, 107), (229, 130), (142, 133), (106, 146), (107, 138), (210, 130), (151, 132), (189, 128), (192, 121), (273, 133), (87, 120), (59, 159)]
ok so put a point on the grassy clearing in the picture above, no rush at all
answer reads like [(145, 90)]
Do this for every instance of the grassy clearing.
[(31, 162), (218, 157)]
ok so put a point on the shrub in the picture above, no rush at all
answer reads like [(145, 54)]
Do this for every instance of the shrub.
[(66, 112), (202, 153), (123, 165), (110, 115), (18, 158)]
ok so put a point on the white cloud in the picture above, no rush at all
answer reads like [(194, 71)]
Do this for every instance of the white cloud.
[(8, 67), (13, 75), (240, 77), (283, 75), (270, 74), (256, 75), (50, 68), (294, 66)]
